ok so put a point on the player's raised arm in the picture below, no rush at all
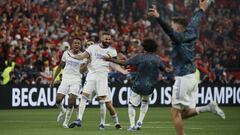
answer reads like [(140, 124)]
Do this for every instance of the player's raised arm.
[(166, 27), (192, 28), (190, 31)]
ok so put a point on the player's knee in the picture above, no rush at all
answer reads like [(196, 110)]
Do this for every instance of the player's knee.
[(102, 98), (85, 94), (71, 102), (85, 98), (176, 113), (185, 114), (130, 104), (110, 108), (59, 98), (145, 101), (109, 105), (58, 101), (101, 101)]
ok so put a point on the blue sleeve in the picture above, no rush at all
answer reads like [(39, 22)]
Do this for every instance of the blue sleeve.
[(134, 61), (189, 34), (161, 66)]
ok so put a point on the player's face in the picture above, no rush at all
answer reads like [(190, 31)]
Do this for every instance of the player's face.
[(106, 40), (177, 27), (76, 44), (174, 26)]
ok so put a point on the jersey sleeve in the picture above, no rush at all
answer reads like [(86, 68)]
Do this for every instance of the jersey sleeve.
[(191, 30), (161, 65), (134, 61), (114, 53), (90, 49), (64, 56)]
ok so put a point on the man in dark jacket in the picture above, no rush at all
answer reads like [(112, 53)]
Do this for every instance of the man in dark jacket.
[(184, 94)]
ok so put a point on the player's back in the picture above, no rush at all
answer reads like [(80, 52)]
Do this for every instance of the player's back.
[(147, 73)]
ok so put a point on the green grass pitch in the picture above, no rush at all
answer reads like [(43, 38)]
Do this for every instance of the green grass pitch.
[(157, 122)]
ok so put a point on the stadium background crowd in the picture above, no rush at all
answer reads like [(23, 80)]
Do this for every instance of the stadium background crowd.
[(34, 33)]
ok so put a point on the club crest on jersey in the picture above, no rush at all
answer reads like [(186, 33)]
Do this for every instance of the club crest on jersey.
[(72, 63), (101, 55)]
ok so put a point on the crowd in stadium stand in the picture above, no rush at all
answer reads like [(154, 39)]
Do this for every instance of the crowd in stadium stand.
[(34, 33)]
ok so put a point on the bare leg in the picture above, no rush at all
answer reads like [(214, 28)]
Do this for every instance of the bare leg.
[(177, 120), (189, 113), (110, 108), (113, 114), (59, 99)]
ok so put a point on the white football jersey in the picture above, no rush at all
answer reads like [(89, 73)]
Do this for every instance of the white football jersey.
[(98, 64), (72, 67)]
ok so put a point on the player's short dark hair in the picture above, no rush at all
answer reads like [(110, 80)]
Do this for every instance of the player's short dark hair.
[(76, 38), (180, 20), (149, 45), (106, 33)]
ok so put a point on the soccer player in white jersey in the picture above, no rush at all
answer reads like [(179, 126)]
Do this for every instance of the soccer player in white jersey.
[(71, 81), (108, 100), (97, 78)]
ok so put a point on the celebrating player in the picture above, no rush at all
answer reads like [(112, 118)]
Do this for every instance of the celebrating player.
[(148, 65), (108, 101), (97, 79), (71, 81), (185, 88)]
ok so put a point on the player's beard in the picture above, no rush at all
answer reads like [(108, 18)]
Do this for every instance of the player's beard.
[(105, 44)]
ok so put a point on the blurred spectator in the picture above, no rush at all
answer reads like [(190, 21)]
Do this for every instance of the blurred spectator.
[(46, 73), (34, 33)]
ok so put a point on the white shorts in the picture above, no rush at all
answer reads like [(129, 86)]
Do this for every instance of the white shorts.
[(108, 98), (136, 99), (97, 82), (184, 93), (70, 87)]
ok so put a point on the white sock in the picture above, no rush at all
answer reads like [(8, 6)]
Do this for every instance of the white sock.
[(61, 107), (143, 111), (103, 111), (115, 118), (82, 106), (131, 114), (68, 115), (202, 109)]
